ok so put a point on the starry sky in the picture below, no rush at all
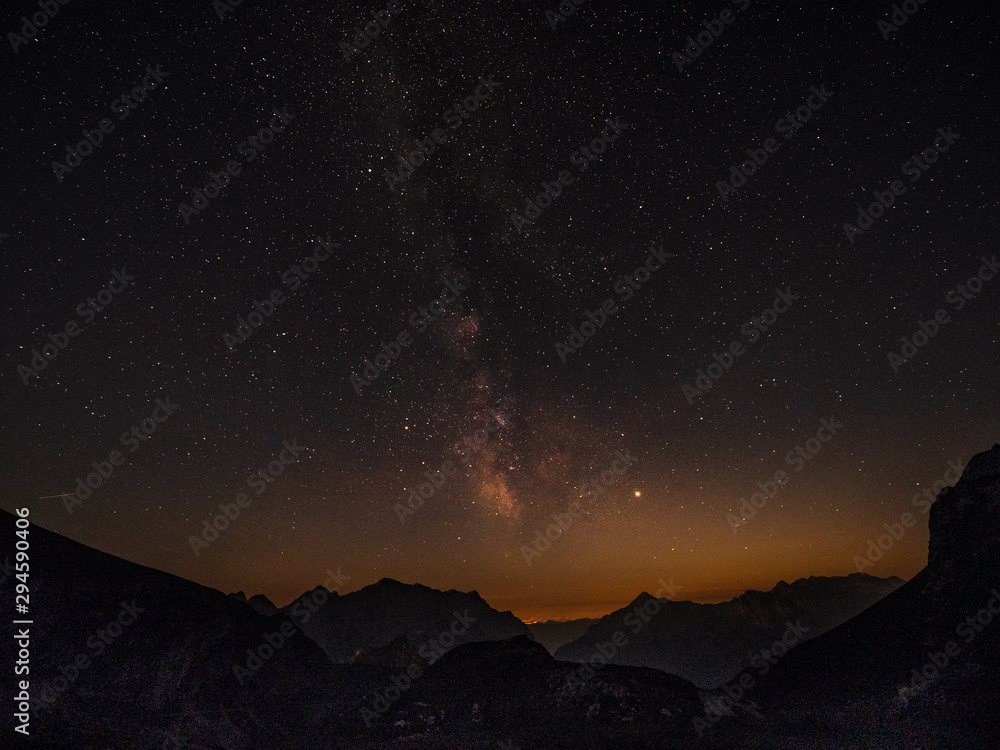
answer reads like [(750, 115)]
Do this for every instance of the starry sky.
[(483, 360)]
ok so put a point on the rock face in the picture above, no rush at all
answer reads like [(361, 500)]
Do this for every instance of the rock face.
[(432, 621), (710, 643), (965, 519)]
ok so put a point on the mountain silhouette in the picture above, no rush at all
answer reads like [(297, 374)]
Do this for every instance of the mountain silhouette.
[(433, 622), (171, 663), (124, 656), (918, 669), (710, 643), (556, 633)]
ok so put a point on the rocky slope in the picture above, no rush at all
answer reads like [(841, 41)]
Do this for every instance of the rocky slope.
[(920, 668)]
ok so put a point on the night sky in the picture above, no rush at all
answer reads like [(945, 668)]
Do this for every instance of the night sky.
[(313, 193)]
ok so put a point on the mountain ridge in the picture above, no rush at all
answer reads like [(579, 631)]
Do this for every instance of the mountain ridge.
[(710, 643)]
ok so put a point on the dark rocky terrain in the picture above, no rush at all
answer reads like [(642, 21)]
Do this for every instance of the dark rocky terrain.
[(168, 669)]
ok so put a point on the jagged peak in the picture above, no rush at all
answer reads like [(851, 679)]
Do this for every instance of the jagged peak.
[(262, 604), (391, 584), (985, 464), (965, 518)]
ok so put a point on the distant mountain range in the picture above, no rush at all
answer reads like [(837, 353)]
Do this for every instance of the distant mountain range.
[(432, 621), (709, 643), (124, 656), (704, 643), (555, 633)]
